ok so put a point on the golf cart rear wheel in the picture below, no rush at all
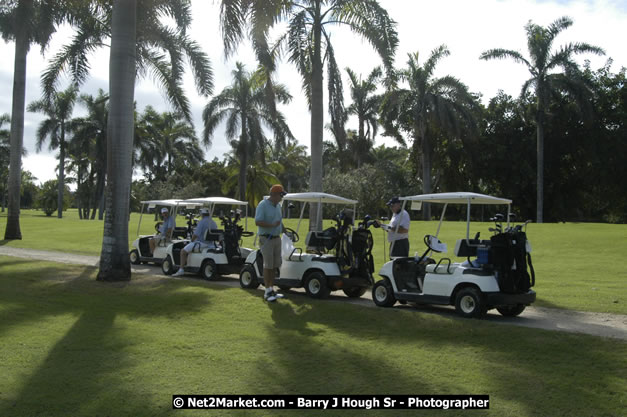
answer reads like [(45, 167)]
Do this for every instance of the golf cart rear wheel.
[(134, 255), (511, 311), (469, 303), (316, 285), (383, 294), (208, 269), (166, 266), (355, 292), (248, 277)]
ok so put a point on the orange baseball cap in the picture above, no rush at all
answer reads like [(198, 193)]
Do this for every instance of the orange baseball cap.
[(277, 188)]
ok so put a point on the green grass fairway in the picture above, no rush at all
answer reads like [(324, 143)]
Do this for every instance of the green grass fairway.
[(70, 345), (579, 266)]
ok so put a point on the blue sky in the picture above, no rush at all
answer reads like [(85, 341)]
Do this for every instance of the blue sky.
[(466, 27)]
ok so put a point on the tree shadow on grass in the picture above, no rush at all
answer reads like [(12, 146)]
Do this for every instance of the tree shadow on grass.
[(515, 366), (87, 370)]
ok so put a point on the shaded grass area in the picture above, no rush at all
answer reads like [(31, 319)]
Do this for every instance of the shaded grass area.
[(72, 346), (579, 266)]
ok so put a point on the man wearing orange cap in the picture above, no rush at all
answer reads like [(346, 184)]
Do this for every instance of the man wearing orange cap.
[(268, 219)]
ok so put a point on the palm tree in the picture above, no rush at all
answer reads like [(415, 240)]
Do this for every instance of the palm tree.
[(365, 106), (90, 135), (542, 64), (26, 22), (309, 45), (245, 109), (259, 174), (426, 104), (114, 261), (293, 158), (165, 142), (160, 48), (59, 110)]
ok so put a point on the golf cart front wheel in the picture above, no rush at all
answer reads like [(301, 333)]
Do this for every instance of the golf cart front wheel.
[(383, 294), (166, 266), (208, 270), (469, 303), (511, 311), (355, 292), (248, 278), (316, 285), (134, 255)]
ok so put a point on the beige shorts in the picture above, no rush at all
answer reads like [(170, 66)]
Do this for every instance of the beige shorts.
[(271, 252)]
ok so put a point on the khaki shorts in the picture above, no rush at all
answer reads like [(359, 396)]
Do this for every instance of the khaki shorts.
[(271, 252)]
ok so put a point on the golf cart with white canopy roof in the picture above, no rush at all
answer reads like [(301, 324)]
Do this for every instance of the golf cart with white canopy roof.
[(141, 246), (341, 257), (497, 278), (225, 255)]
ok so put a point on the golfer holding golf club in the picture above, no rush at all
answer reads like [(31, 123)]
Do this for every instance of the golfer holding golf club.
[(398, 238), (268, 219)]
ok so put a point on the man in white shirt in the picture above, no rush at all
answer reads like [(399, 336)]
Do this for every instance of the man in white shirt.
[(398, 229)]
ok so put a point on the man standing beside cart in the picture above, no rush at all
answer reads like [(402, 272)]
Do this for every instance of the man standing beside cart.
[(398, 229), (268, 219)]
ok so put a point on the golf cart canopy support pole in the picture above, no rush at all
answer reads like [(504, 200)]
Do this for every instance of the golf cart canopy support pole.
[(302, 212), (468, 221), (141, 214), (441, 218)]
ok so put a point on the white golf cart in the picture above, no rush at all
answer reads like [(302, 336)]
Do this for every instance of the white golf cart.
[(226, 256), (338, 258), (141, 248), (497, 278)]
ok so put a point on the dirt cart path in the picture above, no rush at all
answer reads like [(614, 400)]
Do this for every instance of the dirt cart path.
[(596, 324)]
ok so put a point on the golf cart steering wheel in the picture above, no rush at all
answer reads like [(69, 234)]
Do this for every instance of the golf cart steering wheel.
[(157, 226), (427, 241), (291, 233)]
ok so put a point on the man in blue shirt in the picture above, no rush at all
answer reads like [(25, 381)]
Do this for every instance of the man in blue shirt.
[(165, 230), (268, 219), (206, 224)]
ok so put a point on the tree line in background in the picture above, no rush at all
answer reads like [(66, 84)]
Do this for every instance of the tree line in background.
[(557, 150)]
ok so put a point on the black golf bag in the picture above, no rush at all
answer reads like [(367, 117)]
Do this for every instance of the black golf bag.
[(508, 255)]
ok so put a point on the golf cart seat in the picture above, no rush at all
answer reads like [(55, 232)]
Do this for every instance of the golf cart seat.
[(179, 233), (321, 241), (442, 268), (216, 236)]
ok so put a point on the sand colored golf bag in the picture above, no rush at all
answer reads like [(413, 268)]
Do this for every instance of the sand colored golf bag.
[(511, 261)]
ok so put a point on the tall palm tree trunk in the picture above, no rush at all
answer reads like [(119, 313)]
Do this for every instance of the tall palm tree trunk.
[(61, 173), (114, 260), (425, 160), (12, 230), (540, 168), (317, 122)]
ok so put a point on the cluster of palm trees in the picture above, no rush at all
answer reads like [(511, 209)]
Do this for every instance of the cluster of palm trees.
[(416, 104)]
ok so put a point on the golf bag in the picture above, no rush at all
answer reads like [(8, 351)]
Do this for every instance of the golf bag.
[(508, 255), (362, 243)]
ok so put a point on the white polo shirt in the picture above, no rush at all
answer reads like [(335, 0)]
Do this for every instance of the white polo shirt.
[(402, 219)]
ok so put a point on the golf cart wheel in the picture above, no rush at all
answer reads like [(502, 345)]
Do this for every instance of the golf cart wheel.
[(383, 293), (248, 277), (134, 255), (316, 285), (469, 303), (511, 311), (166, 266), (209, 270), (355, 292)]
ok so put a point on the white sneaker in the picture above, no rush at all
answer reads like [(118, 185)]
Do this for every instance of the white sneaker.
[(178, 273), (270, 297)]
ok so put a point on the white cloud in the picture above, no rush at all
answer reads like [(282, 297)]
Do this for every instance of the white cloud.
[(466, 27)]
